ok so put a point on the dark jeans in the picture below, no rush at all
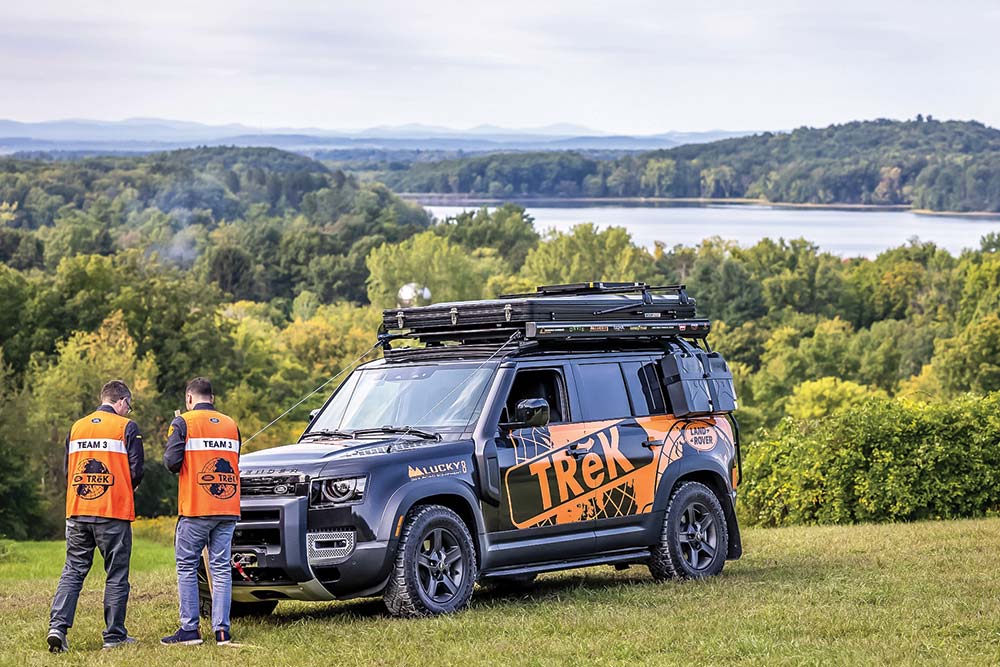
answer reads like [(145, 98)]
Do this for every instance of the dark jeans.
[(113, 538)]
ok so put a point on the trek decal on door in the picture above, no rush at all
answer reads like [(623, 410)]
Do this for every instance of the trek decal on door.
[(579, 472)]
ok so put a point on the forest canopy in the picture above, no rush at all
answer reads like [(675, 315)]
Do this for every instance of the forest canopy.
[(266, 272), (924, 163)]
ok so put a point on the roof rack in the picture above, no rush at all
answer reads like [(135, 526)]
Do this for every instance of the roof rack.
[(595, 311), (580, 289)]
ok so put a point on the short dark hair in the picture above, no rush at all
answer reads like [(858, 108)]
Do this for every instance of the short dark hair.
[(114, 391), (200, 387)]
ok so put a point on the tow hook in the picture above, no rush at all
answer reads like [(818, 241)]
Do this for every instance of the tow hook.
[(249, 560)]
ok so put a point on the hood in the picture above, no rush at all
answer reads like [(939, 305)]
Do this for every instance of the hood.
[(309, 458)]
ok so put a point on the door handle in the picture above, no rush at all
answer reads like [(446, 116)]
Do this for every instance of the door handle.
[(575, 451), (652, 443)]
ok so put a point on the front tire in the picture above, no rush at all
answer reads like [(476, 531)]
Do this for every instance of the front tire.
[(435, 565), (695, 537)]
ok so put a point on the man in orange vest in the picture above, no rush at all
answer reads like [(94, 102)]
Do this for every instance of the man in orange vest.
[(203, 446), (104, 465)]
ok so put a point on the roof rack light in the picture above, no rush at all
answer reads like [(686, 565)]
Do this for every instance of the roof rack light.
[(612, 330)]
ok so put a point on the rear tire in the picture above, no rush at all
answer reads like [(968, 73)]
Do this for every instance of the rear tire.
[(435, 565), (695, 538)]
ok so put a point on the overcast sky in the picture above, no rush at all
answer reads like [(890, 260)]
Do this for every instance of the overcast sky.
[(627, 66)]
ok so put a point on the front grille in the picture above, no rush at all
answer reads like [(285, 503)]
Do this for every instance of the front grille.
[(330, 545), (256, 537), (269, 485), (247, 516)]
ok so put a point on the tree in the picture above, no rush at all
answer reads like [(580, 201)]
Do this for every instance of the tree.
[(68, 387), (508, 229), (233, 270), (816, 399), (585, 254), (448, 270), (658, 177), (8, 212), (971, 360), (76, 233), (21, 512)]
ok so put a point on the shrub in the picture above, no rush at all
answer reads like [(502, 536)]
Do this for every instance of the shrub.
[(159, 529), (886, 460)]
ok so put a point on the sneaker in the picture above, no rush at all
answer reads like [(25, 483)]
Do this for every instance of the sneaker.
[(223, 637), (119, 642), (183, 638), (57, 641)]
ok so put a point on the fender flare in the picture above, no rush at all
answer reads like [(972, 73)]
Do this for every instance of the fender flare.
[(411, 494), (688, 466)]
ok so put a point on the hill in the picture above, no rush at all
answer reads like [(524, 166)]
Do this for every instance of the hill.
[(925, 163), (902, 594)]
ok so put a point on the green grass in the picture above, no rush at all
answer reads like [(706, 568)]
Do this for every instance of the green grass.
[(926, 593)]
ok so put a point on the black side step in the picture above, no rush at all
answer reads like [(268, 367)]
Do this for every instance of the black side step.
[(631, 556)]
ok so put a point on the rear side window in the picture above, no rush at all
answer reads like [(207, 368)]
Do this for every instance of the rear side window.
[(644, 385), (602, 391)]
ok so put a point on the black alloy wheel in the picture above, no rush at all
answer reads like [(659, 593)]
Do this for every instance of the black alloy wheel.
[(695, 537), (698, 536), (440, 566)]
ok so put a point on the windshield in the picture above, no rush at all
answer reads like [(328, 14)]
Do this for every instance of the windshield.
[(437, 397)]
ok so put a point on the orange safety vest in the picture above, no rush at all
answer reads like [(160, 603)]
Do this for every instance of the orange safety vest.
[(209, 483), (99, 481)]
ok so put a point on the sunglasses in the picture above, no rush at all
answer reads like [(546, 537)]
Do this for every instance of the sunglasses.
[(128, 404)]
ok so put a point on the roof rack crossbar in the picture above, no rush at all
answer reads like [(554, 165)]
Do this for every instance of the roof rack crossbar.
[(578, 289)]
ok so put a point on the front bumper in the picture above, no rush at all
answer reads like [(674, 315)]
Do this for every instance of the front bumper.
[(292, 562)]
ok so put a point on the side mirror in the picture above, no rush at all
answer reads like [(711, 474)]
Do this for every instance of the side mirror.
[(312, 415), (531, 412)]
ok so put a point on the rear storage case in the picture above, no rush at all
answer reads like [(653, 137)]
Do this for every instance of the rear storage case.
[(719, 378), (697, 381), (684, 380)]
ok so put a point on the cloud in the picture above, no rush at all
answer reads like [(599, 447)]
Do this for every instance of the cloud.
[(631, 66)]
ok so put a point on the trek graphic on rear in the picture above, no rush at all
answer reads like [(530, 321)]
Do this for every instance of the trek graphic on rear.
[(601, 469)]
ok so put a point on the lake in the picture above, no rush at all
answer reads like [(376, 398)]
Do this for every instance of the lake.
[(849, 233)]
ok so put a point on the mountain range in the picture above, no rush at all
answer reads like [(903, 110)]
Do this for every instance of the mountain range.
[(153, 134)]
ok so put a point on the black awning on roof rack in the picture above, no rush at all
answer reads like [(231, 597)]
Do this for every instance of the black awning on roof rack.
[(581, 311)]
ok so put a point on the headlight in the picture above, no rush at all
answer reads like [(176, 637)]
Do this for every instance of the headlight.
[(337, 491)]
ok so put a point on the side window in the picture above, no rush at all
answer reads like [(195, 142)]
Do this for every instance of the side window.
[(544, 383), (645, 387), (602, 391)]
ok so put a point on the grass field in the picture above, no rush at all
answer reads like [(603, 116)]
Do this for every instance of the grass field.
[(926, 594)]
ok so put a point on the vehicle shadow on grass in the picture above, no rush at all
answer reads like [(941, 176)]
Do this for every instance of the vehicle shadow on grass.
[(542, 591), (553, 587)]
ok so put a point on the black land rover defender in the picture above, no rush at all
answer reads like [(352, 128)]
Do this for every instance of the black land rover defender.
[(580, 425)]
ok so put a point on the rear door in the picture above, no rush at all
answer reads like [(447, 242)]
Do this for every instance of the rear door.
[(616, 455)]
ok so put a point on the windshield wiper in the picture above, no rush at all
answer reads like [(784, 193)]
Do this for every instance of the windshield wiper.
[(402, 430), (326, 433)]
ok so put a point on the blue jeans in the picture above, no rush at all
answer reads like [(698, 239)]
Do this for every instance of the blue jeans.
[(113, 538), (192, 536)]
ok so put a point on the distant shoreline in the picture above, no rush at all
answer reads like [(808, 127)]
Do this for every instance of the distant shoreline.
[(437, 199)]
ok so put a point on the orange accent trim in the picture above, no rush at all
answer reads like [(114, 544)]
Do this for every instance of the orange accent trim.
[(399, 525)]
